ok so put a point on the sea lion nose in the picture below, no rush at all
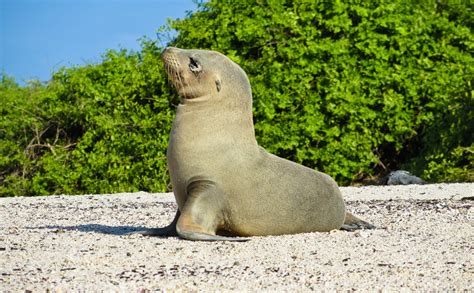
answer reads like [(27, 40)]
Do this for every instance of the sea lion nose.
[(169, 50)]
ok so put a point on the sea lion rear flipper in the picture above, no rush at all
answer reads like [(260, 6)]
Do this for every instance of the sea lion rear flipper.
[(202, 213), (352, 223)]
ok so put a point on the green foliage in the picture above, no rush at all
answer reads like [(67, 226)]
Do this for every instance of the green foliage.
[(352, 88), (93, 129)]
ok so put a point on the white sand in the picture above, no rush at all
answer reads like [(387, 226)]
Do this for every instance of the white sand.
[(425, 241)]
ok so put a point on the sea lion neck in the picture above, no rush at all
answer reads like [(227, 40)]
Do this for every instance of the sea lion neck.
[(207, 116)]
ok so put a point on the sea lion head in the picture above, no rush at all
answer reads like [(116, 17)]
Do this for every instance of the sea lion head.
[(200, 75)]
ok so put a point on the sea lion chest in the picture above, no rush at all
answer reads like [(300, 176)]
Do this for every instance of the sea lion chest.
[(203, 144)]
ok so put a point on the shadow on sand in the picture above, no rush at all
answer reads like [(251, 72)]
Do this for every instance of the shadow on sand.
[(97, 228)]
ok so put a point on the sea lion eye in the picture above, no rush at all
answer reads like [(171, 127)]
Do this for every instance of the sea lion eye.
[(194, 65)]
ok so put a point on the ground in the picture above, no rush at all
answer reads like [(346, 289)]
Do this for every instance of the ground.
[(424, 241)]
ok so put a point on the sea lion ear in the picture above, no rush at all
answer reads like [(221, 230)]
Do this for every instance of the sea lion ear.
[(218, 85)]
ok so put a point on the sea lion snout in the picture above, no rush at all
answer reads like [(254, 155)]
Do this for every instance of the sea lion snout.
[(170, 60), (169, 49)]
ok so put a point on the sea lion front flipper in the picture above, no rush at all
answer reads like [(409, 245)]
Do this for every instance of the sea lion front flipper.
[(352, 223), (202, 214), (169, 230)]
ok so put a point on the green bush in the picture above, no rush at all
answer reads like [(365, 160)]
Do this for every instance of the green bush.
[(351, 88), (93, 129)]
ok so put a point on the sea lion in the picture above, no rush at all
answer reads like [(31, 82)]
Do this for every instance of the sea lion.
[(223, 182)]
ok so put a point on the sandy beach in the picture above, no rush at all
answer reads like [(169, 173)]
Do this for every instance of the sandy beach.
[(424, 241)]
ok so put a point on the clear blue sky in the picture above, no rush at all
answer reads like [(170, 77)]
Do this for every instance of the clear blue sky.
[(39, 36)]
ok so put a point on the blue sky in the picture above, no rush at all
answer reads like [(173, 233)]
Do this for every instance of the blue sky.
[(37, 37)]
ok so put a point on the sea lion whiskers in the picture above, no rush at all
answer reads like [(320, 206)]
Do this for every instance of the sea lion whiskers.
[(169, 71), (178, 77), (171, 66)]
